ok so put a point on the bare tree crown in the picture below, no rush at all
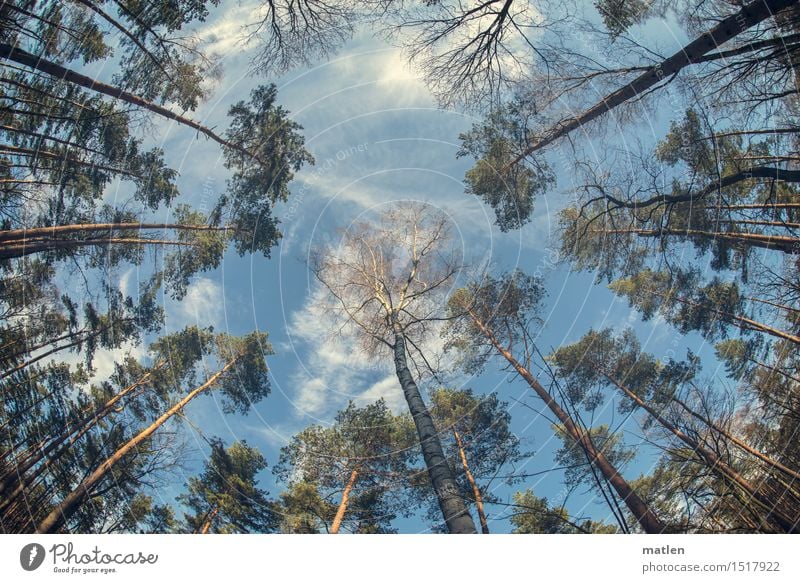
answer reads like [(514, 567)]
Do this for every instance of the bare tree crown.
[(391, 275)]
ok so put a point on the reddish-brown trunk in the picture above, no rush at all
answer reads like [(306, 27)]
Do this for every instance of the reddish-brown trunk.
[(649, 522), (790, 245), (209, 520), (337, 520), (43, 232), (476, 492), (65, 440), (16, 250)]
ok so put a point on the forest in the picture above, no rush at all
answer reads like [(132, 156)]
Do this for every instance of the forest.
[(399, 266)]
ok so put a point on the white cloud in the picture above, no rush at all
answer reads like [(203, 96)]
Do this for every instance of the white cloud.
[(225, 35), (104, 360), (387, 389), (203, 304)]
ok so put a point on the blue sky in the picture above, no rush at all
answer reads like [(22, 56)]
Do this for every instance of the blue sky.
[(378, 137)]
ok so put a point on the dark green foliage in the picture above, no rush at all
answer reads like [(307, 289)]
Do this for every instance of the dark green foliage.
[(226, 498), (260, 180), (369, 440), (509, 189), (509, 302), (534, 515), (302, 510)]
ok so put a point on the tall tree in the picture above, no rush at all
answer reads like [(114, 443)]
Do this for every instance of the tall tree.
[(387, 279), (618, 364), (242, 379), (494, 316), (480, 442), (225, 497), (360, 458)]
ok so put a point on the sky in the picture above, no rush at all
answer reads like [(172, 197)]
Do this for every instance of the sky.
[(377, 136)]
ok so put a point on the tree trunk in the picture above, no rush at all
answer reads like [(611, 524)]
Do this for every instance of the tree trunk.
[(63, 158), (776, 224), (453, 508), (727, 28), (649, 522), (13, 357), (738, 321), (741, 321), (337, 520), (783, 373), (42, 232), (790, 245), (16, 250), (773, 304), (26, 59), (764, 205), (50, 352), (67, 507), (209, 520), (713, 461), (476, 492)]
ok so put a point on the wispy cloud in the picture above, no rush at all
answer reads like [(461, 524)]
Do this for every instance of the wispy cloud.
[(203, 305)]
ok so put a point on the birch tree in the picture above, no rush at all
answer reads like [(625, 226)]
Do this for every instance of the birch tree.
[(388, 279)]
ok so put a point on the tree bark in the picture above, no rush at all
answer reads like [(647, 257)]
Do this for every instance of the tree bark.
[(209, 520), (337, 520), (476, 492), (713, 461), (727, 28), (67, 507), (789, 245), (16, 250), (41, 232), (453, 508), (764, 205), (649, 522)]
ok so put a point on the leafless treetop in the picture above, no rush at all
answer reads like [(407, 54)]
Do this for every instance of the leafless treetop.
[(391, 275)]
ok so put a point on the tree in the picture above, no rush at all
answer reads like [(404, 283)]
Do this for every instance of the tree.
[(291, 34), (360, 458), (480, 441), (226, 498), (303, 510), (697, 51), (493, 316), (387, 279), (511, 194), (65, 140), (534, 515), (472, 53), (678, 297), (242, 379), (749, 79), (263, 152), (617, 362)]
